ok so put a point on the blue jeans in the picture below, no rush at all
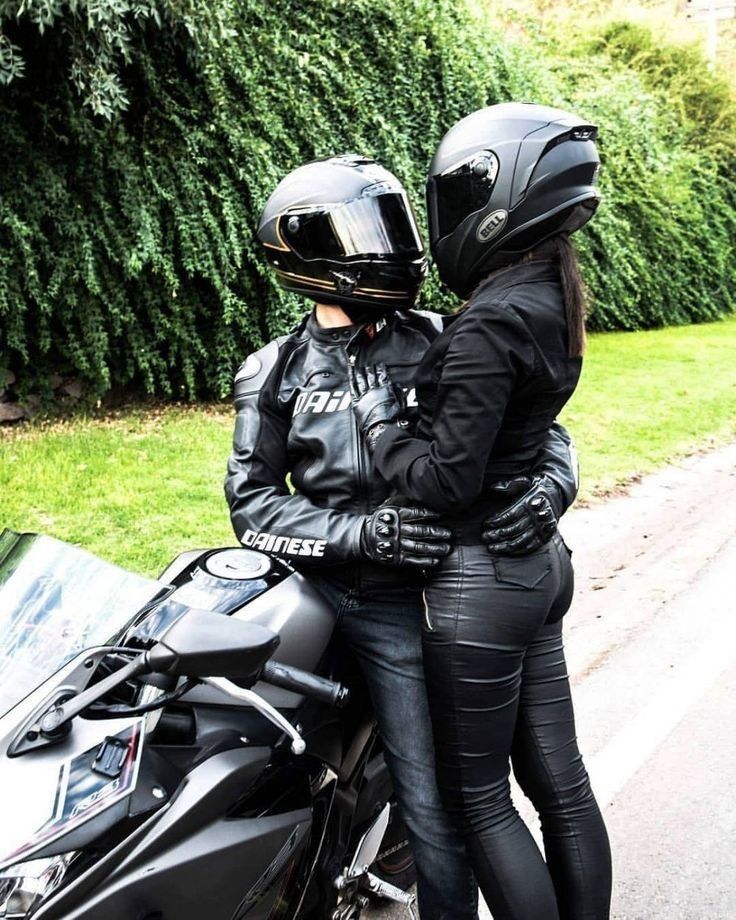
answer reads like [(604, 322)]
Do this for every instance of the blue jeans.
[(382, 625)]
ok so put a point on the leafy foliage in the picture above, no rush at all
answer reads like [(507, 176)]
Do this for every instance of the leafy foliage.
[(703, 99), (101, 36), (663, 251), (127, 249)]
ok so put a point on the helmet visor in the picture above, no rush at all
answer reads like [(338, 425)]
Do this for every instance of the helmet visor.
[(380, 225), (460, 190)]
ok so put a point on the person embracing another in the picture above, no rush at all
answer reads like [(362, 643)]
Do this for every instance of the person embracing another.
[(507, 187), (341, 232)]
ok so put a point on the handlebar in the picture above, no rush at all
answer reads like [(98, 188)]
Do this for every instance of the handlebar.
[(289, 678)]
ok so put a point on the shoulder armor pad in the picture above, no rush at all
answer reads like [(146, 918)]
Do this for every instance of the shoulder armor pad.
[(434, 318), (254, 371)]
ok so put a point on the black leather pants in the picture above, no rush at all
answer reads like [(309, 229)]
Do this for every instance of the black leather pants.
[(499, 692)]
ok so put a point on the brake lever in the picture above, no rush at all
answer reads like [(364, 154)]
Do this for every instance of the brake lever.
[(298, 744)]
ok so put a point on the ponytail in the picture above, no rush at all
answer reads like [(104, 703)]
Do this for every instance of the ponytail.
[(573, 294), (561, 249)]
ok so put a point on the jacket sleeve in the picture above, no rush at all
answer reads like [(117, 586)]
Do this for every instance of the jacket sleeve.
[(264, 513), (558, 461), (490, 351)]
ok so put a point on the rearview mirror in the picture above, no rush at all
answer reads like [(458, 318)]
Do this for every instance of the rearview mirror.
[(206, 644)]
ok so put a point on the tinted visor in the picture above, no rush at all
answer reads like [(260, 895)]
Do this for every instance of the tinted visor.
[(461, 190), (373, 225)]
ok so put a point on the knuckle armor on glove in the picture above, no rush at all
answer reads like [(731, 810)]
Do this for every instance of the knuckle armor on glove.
[(387, 537), (381, 535), (529, 523)]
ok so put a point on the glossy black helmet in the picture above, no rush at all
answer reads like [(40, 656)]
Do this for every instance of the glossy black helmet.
[(503, 180), (341, 231)]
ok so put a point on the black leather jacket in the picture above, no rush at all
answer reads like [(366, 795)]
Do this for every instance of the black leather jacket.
[(294, 421)]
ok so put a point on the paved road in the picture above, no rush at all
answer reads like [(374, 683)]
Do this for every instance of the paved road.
[(652, 651)]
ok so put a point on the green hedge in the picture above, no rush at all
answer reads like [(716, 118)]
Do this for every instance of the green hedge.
[(127, 252)]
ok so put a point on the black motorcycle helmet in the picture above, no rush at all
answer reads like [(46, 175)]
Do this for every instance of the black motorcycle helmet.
[(341, 231), (503, 180)]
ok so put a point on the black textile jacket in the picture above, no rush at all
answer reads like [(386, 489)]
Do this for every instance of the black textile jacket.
[(294, 421), (488, 389)]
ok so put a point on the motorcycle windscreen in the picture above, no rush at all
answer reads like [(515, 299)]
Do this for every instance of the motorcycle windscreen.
[(55, 601)]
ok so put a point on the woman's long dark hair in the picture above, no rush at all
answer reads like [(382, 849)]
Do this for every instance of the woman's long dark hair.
[(561, 250)]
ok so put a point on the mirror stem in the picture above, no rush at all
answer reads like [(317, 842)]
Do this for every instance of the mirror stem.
[(55, 717)]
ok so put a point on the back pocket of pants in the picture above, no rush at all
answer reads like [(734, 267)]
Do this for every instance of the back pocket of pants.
[(523, 571)]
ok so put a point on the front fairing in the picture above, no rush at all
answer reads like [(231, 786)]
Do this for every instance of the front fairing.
[(60, 611), (59, 607), (50, 792)]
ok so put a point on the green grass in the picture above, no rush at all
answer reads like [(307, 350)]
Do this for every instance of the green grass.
[(139, 487), (646, 398), (136, 488)]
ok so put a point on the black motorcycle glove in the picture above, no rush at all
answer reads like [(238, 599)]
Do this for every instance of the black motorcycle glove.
[(400, 536), (529, 522), (377, 402)]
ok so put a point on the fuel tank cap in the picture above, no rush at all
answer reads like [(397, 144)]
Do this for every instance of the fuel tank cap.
[(237, 564)]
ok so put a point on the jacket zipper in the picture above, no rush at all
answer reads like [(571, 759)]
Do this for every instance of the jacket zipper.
[(358, 443), (362, 483)]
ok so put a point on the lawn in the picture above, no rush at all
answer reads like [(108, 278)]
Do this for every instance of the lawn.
[(646, 398), (138, 487)]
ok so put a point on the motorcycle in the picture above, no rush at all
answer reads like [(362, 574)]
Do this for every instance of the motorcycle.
[(184, 747)]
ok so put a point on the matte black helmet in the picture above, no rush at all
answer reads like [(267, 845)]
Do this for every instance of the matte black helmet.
[(503, 180), (342, 232)]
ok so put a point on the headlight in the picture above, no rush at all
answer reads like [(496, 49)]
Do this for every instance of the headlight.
[(25, 886)]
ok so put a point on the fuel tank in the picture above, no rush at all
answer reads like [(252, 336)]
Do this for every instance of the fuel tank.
[(251, 586)]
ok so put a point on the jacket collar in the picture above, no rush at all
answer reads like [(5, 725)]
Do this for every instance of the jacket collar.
[(538, 270), (338, 334), (330, 336)]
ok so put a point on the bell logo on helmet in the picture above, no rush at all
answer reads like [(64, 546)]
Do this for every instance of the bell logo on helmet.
[(491, 225)]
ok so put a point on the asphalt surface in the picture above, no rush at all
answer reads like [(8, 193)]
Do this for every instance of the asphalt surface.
[(651, 644)]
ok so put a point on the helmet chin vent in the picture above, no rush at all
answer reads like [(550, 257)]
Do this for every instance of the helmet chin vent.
[(345, 282)]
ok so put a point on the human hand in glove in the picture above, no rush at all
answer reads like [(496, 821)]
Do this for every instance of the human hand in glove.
[(377, 401), (529, 522), (400, 536)]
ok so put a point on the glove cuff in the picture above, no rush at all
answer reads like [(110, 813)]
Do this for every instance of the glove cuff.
[(374, 434)]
